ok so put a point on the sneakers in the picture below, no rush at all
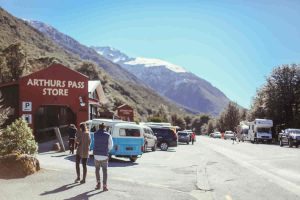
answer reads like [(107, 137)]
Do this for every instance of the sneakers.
[(98, 186), (82, 181), (105, 188), (77, 180)]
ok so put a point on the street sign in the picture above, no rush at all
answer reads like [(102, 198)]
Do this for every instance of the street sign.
[(27, 106)]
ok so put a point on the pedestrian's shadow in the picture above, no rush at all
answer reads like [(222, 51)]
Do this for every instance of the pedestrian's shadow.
[(60, 189), (85, 195), (113, 162)]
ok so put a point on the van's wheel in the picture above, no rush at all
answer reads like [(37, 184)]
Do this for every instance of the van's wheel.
[(145, 148), (164, 146), (133, 158), (280, 143), (154, 147), (290, 143)]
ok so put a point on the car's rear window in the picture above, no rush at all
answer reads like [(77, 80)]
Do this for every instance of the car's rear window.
[(182, 133), (130, 132), (163, 132)]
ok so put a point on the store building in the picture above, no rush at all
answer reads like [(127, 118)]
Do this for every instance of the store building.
[(53, 97)]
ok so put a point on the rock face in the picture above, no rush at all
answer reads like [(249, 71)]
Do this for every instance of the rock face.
[(18, 166)]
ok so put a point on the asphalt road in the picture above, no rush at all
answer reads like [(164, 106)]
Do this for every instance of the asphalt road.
[(209, 169)]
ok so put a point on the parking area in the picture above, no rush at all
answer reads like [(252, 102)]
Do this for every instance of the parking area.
[(209, 169)]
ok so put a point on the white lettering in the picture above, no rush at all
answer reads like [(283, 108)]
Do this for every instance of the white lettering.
[(29, 82), (55, 92)]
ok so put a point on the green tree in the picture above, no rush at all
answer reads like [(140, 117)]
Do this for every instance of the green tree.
[(89, 69), (178, 121), (17, 138), (279, 98), (188, 121), (199, 121), (230, 117), (210, 126), (13, 63), (162, 113)]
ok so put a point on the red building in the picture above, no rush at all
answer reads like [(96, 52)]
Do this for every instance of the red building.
[(54, 96), (125, 112)]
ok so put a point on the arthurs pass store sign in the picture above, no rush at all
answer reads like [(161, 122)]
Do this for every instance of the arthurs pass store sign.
[(55, 87)]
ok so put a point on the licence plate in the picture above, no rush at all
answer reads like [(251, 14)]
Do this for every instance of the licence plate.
[(129, 148)]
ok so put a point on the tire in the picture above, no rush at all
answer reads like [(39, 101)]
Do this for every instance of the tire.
[(133, 158), (145, 148), (164, 146), (280, 143), (297, 145), (290, 143), (187, 143), (154, 148)]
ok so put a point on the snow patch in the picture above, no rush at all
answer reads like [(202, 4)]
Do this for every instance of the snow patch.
[(150, 62)]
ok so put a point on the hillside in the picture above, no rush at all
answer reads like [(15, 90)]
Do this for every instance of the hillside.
[(171, 81), (41, 51)]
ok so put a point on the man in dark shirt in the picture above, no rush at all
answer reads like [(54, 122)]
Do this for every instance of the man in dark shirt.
[(72, 133)]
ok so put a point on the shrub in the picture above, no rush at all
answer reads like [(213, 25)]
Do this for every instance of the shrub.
[(17, 138)]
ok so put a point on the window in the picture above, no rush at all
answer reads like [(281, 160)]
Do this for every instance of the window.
[(129, 132)]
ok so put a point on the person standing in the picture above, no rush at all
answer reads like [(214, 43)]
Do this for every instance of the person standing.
[(84, 140), (193, 138), (72, 130), (102, 145)]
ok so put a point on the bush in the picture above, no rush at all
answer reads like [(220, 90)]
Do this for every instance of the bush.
[(18, 138)]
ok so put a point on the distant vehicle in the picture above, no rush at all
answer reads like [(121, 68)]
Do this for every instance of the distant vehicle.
[(184, 137), (150, 138), (229, 135), (242, 132), (260, 130), (217, 135), (289, 136), (166, 136)]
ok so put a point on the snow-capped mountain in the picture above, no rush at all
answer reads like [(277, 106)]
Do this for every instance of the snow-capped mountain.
[(171, 81)]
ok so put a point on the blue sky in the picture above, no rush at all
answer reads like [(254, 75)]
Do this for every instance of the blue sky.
[(232, 44)]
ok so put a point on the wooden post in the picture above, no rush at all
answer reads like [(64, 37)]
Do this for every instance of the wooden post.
[(58, 136)]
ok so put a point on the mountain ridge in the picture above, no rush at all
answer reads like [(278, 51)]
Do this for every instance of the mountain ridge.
[(186, 88)]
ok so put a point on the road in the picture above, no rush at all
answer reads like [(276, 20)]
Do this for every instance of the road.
[(209, 169)]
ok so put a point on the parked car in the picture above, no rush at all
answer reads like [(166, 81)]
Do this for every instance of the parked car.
[(184, 137), (217, 135), (290, 137), (229, 135), (166, 136), (149, 138)]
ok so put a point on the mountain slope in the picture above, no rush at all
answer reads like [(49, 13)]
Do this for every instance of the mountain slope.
[(41, 51), (83, 51), (171, 81)]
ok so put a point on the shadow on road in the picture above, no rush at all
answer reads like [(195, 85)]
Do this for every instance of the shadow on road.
[(113, 162), (60, 189), (85, 195)]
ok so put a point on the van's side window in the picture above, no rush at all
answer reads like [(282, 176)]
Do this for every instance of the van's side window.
[(129, 132)]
